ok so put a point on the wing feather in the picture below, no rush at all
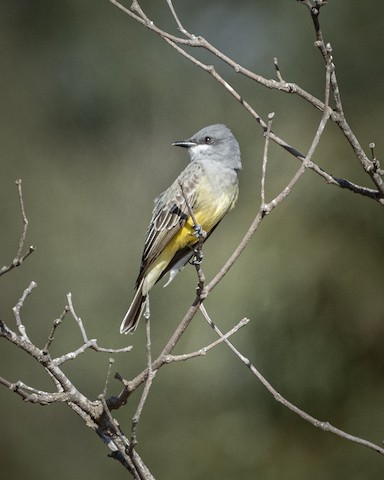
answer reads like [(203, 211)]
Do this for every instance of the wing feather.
[(170, 214)]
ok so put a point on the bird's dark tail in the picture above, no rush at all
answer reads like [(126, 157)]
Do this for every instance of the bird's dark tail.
[(132, 317)]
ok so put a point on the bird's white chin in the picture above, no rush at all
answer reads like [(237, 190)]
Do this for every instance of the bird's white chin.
[(197, 151)]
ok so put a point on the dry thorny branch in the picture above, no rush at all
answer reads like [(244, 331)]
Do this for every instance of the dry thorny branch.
[(97, 414)]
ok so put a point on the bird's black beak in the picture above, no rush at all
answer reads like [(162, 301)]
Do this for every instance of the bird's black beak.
[(184, 143)]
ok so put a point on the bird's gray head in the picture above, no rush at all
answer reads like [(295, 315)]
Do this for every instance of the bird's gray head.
[(215, 142)]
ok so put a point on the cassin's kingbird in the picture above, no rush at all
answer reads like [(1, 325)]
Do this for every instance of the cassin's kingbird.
[(209, 187)]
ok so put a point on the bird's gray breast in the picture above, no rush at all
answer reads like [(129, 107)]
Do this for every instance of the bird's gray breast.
[(218, 188)]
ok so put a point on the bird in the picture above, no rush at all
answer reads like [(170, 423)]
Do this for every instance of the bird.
[(208, 189)]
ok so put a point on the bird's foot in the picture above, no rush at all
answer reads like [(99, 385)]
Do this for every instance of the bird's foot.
[(199, 232), (197, 256)]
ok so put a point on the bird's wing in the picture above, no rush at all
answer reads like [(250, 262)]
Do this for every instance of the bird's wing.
[(170, 214)]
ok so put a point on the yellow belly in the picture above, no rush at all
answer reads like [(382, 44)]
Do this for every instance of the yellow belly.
[(207, 214), (183, 238)]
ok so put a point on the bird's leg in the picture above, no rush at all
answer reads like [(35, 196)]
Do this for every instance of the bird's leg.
[(199, 232), (197, 257), (197, 248)]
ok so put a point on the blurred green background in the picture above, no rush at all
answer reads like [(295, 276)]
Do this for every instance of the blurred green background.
[(90, 104)]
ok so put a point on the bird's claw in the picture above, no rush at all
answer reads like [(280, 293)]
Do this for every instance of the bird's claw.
[(199, 232), (197, 256)]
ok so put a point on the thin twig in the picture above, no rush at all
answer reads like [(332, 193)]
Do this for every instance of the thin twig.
[(265, 157), (204, 350), (148, 383), (56, 323), (87, 343), (16, 310), (375, 161), (77, 318), (92, 344), (24, 217), (278, 72), (190, 211), (19, 258), (180, 27), (111, 361)]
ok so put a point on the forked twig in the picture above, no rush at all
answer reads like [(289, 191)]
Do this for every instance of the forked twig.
[(87, 343), (204, 350)]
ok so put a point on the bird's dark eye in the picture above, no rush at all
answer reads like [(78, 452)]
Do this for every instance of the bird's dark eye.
[(208, 140)]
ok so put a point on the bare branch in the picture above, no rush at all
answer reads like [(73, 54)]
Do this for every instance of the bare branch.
[(192, 40), (92, 344), (148, 383), (25, 220), (278, 72), (203, 351), (16, 310), (77, 318), (56, 323), (265, 157), (88, 343), (20, 257), (326, 426), (340, 119), (33, 395), (177, 20), (131, 385)]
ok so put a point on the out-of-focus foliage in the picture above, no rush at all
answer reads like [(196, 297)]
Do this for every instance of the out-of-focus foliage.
[(90, 104)]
